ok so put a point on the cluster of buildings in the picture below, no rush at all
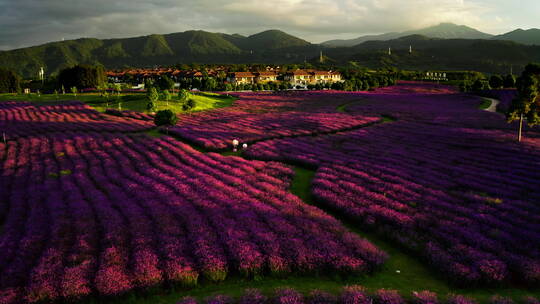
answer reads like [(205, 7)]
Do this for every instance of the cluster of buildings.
[(296, 77)]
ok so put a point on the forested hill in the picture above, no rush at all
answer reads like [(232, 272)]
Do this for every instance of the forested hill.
[(148, 51), (273, 46)]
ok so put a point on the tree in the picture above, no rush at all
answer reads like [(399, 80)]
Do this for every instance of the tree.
[(10, 82), (152, 95), (165, 83), (183, 95), (151, 106), (509, 81), (82, 76), (167, 96), (148, 84), (118, 89), (209, 84), (165, 118), (496, 82), (478, 85), (527, 102), (196, 83)]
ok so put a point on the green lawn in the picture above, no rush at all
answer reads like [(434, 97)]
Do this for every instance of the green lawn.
[(132, 101)]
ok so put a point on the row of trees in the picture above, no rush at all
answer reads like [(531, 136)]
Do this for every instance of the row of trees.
[(493, 82), (499, 82), (153, 94), (82, 77)]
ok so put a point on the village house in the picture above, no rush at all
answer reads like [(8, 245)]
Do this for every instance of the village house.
[(297, 77), (305, 77), (262, 77), (241, 78)]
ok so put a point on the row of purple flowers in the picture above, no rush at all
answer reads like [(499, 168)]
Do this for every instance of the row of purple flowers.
[(23, 119), (257, 117), (353, 294)]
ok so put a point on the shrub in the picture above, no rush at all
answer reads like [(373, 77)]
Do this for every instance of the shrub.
[(189, 105), (496, 82), (165, 118)]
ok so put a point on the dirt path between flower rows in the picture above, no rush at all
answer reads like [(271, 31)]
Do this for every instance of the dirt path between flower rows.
[(493, 107)]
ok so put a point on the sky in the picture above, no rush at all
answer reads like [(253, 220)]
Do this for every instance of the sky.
[(31, 22)]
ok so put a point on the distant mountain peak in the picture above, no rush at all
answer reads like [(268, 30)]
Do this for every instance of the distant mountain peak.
[(272, 39), (529, 37), (444, 30)]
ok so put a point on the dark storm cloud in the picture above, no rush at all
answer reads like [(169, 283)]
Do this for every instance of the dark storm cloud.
[(30, 22)]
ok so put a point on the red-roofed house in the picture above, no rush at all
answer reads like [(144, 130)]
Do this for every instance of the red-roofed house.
[(265, 76), (241, 77), (303, 77)]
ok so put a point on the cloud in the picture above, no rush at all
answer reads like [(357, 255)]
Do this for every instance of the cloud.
[(29, 22)]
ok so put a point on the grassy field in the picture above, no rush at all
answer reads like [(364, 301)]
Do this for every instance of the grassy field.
[(132, 101)]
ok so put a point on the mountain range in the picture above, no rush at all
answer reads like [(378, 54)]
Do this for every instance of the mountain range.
[(530, 37), (446, 46), (443, 30)]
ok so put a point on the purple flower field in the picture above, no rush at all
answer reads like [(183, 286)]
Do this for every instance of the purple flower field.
[(98, 213), (89, 208), (258, 117), (445, 180), (19, 119)]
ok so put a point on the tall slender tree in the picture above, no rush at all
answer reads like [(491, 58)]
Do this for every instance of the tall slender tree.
[(527, 103)]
